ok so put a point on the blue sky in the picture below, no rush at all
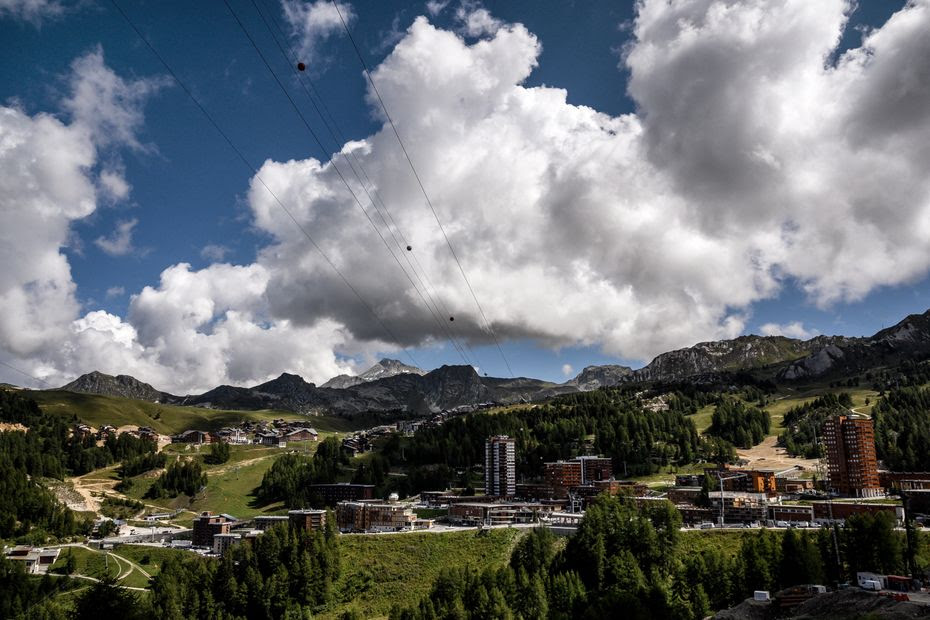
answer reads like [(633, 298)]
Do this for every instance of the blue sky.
[(190, 192)]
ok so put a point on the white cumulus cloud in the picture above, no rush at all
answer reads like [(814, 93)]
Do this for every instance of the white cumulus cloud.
[(756, 156), (476, 20), (105, 104), (747, 161), (794, 329), (119, 243), (312, 23)]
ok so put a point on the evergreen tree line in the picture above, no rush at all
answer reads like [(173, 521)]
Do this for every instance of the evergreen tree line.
[(740, 424), (25, 597), (629, 559), (902, 429), (374, 470), (291, 475), (219, 453), (182, 477), (803, 424), (689, 399), (642, 440), (285, 573), (47, 450), (141, 464)]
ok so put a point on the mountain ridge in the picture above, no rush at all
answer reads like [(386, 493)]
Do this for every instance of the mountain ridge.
[(391, 387), (386, 367)]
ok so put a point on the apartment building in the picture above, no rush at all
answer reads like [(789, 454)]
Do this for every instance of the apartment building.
[(374, 517), (500, 466), (206, 526), (852, 467), (307, 519)]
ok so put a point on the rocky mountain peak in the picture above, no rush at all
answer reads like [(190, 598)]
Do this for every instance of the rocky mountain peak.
[(388, 368), (286, 383), (125, 386), (593, 377)]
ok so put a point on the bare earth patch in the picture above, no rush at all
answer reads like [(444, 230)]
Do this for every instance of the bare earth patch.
[(768, 455), (69, 496)]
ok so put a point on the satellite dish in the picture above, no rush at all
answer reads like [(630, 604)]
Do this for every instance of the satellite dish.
[(301, 66), (451, 318), (409, 247)]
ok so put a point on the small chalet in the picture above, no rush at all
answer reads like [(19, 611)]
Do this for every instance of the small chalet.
[(302, 434), (192, 436), (270, 439)]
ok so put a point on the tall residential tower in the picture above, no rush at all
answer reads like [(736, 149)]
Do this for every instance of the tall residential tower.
[(851, 462), (500, 466)]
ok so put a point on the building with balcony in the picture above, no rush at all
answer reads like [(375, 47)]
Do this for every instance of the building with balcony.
[(206, 526), (500, 466), (852, 466), (307, 519), (374, 517)]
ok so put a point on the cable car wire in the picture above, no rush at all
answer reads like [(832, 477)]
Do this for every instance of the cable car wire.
[(429, 202), (373, 195), (339, 172), (255, 171), (24, 373)]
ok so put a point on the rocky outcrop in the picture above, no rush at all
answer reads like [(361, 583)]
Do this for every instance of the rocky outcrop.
[(907, 340), (121, 385), (813, 365), (391, 386), (594, 377), (341, 382), (743, 353), (777, 357), (382, 370)]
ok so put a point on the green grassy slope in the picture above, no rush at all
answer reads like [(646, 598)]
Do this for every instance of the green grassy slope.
[(168, 419), (788, 398), (89, 563), (229, 486), (381, 570)]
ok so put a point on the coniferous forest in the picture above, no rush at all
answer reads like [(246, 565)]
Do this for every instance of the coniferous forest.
[(624, 555), (741, 425), (47, 449), (803, 423), (633, 559)]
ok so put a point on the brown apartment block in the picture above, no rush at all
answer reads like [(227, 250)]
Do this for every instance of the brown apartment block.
[(374, 517), (595, 468), (745, 480), (205, 526), (561, 476), (906, 480), (307, 519), (840, 511), (851, 463)]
